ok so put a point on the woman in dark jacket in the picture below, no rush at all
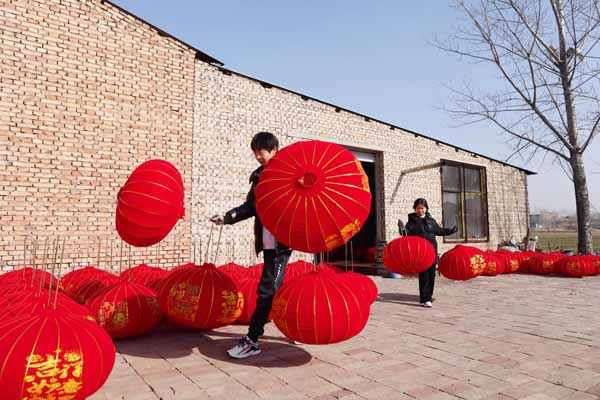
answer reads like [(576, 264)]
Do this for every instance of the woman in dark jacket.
[(421, 223)]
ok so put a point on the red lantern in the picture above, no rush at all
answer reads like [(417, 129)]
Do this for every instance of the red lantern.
[(90, 289), (595, 260), (297, 268), (235, 271), (319, 308), (29, 276), (143, 274), (321, 195), (542, 264), (362, 283), (31, 302), (150, 203), (53, 355), (462, 263), (511, 261), (248, 286), (493, 265), (577, 266), (126, 309), (408, 255), (75, 279), (328, 267), (200, 296), (256, 270)]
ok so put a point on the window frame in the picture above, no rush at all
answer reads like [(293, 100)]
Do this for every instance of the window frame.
[(485, 218)]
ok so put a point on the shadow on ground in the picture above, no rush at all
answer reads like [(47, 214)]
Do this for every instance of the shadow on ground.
[(169, 342), (400, 298)]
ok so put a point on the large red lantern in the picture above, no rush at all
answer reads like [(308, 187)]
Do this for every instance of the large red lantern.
[(31, 277), (321, 194), (90, 289), (150, 203), (493, 264), (53, 355), (297, 268), (235, 271), (577, 266), (319, 308), (31, 302), (511, 261), (462, 263), (543, 264), (362, 283), (143, 274), (408, 255), (72, 281), (126, 309), (201, 297)]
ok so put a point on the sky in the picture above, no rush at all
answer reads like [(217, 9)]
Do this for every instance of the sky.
[(370, 57)]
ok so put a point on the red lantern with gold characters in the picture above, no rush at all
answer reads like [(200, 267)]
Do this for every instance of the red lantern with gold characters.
[(126, 309), (543, 264), (319, 308), (201, 297), (53, 355), (408, 255), (321, 194), (150, 203), (248, 286), (92, 287), (577, 266), (493, 265), (462, 263)]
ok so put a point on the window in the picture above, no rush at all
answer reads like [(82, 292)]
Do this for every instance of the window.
[(464, 202)]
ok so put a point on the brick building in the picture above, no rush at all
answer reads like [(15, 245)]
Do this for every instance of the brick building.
[(90, 91)]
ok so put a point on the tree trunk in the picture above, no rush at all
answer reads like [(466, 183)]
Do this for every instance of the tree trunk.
[(582, 202)]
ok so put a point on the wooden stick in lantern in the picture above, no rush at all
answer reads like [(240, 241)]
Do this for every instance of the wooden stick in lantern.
[(34, 255), (121, 257), (43, 265), (54, 257), (111, 263), (98, 254)]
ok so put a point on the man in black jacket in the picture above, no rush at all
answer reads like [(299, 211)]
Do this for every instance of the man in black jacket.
[(421, 223), (276, 255)]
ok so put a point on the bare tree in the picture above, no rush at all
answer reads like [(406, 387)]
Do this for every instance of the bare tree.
[(546, 59)]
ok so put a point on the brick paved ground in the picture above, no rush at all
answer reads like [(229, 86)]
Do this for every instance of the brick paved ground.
[(509, 337)]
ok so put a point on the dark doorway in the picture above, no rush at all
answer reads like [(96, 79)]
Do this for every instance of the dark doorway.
[(360, 251)]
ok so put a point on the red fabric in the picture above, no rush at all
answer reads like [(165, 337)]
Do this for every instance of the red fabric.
[(328, 267), (408, 255), (235, 271), (595, 260), (577, 266), (256, 270), (150, 203), (462, 263), (319, 308), (201, 297), (74, 279), (126, 309), (493, 264), (55, 355), (512, 260), (362, 283), (313, 196), (143, 274)]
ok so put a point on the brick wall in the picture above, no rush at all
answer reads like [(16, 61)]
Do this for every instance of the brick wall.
[(87, 93), (230, 109)]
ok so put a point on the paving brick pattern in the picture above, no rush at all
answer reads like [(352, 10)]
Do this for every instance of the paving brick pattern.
[(508, 337)]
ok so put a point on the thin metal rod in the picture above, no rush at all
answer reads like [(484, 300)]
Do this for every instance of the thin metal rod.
[(98, 254), (62, 253), (121, 257), (208, 244), (43, 265), (53, 271), (218, 244), (34, 257)]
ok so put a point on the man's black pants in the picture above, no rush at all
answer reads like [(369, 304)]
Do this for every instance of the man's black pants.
[(426, 283), (270, 281)]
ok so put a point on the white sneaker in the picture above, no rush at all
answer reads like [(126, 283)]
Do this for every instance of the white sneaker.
[(428, 304), (245, 348)]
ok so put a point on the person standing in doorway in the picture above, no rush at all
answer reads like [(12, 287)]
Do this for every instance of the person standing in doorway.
[(421, 223)]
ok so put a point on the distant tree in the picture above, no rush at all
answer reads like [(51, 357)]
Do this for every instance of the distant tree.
[(546, 57)]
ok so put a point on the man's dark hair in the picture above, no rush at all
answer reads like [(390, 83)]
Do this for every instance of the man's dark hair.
[(421, 202), (264, 141)]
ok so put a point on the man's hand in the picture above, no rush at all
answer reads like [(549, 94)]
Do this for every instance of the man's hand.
[(453, 230), (217, 219)]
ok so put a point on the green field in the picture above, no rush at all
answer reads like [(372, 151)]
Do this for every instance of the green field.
[(561, 240)]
